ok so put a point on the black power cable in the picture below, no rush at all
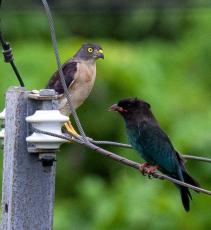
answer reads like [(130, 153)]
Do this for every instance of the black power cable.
[(8, 56)]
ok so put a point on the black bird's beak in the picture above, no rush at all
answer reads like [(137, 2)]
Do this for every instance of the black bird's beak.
[(100, 54), (116, 108)]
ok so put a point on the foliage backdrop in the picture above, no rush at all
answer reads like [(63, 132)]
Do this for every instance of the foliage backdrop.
[(160, 55)]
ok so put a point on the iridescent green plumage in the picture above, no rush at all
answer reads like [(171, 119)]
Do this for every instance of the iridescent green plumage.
[(151, 142)]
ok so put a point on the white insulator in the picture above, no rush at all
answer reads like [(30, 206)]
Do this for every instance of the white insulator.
[(2, 114), (2, 117), (49, 121), (2, 132)]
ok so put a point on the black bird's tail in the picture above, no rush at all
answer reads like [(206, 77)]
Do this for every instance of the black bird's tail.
[(184, 191)]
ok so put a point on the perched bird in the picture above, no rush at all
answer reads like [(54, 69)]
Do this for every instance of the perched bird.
[(79, 72), (152, 143)]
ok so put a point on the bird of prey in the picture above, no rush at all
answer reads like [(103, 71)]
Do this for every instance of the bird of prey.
[(152, 143), (79, 72)]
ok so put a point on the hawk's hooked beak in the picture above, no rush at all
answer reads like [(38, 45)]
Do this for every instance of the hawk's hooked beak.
[(117, 108), (100, 54)]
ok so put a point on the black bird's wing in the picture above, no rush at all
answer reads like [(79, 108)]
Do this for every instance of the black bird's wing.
[(157, 147), (160, 149), (69, 70)]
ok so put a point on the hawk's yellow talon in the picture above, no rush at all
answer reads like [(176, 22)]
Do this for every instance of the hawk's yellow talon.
[(70, 129)]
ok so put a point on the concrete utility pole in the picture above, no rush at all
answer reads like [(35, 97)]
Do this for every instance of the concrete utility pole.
[(28, 187)]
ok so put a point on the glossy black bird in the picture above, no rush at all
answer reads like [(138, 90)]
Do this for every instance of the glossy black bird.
[(80, 73), (152, 143)]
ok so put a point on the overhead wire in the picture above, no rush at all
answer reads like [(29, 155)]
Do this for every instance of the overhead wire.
[(61, 74)]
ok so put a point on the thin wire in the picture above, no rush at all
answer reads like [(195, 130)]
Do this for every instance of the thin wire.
[(68, 138), (111, 143), (187, 157), (196, 158), (61, 74), (74, 138), (123, 160)]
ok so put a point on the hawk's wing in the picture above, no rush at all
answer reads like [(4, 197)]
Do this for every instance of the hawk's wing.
[(69, 70)]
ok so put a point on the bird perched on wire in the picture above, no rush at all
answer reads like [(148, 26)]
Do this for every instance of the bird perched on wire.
[(80, 73), (152, 143)]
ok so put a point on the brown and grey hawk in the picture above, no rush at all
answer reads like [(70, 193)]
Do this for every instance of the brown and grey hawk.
[(80, 73)]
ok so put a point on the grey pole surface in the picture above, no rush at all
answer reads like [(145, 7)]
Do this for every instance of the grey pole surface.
[(28, 187)]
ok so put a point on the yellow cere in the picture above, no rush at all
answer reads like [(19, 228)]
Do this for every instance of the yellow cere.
[(100, 51)]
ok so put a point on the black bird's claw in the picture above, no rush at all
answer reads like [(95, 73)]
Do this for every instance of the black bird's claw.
[(143, 173), (147, 169)]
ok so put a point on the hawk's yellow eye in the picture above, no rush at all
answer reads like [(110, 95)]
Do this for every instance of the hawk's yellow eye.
[(90, 50)]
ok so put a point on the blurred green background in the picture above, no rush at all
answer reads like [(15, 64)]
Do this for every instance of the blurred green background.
[(158, 51)]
